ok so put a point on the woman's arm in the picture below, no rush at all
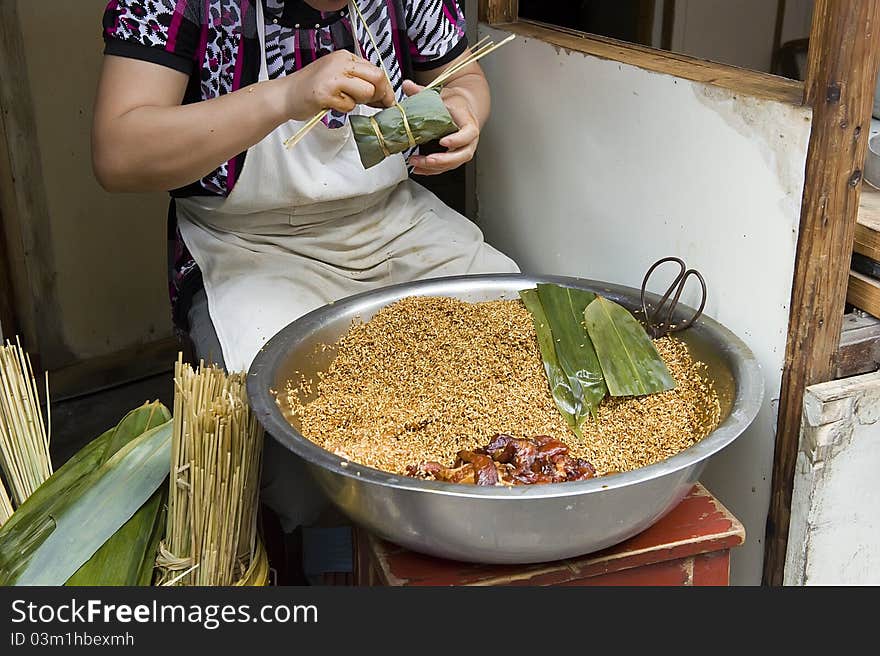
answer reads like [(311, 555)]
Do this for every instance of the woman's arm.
[(467, 96), (143, 139)]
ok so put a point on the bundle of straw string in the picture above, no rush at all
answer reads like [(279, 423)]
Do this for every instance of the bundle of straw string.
[(217, 443), (484, 47), (24, 437)]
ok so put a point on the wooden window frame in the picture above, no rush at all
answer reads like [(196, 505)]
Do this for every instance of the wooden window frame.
[(505, 15)]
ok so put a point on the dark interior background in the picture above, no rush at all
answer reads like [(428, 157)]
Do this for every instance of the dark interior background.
[(618, 19)]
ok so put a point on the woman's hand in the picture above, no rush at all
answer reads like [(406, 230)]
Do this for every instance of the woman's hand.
[(461, 146), (337, 81), (138, 105)]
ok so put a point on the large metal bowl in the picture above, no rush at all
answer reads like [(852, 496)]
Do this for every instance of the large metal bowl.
[(523, 524)]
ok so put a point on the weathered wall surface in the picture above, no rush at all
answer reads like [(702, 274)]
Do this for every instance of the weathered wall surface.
[(108, 250), (596, 169), (834, 536)]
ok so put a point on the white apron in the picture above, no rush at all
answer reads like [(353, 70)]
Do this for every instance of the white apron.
[(308, 226)]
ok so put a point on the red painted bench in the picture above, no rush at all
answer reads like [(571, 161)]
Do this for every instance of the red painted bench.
[(689, 546)]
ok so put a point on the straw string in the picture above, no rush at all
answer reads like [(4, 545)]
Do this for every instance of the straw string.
[(380, 136), (480, 50), (409, 134), (216, 455), (24, 438)]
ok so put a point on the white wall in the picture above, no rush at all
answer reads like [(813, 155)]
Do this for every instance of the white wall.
[(834, 535), (597, 169)]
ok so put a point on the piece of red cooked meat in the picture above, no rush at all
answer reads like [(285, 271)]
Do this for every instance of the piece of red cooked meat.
[(512, 461)]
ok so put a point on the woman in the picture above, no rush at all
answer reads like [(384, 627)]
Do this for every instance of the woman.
[(198, 96)]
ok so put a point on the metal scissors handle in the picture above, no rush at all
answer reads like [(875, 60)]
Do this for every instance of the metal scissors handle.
[(661, 326)]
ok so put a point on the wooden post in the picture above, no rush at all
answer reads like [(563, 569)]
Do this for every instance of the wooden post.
[(495, 12), (842, 75), (8, 324), (23, 201)]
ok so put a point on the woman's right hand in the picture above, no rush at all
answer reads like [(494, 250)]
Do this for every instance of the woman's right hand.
[(339, 81), (139, 104)]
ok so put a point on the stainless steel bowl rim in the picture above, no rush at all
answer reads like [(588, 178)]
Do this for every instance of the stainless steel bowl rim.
[(261, 376)]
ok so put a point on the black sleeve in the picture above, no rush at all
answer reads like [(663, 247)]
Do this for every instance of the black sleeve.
[(436, 31), (164, 32)]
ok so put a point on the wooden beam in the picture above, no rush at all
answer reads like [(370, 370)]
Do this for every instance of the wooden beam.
[(821, 10), (863, 292), (106, 371), (8, 323), (750, 83), (859, 351), (777, 35), (23, 202), (496, 12), (844, 57), (668, 24), (867, 240), (645, 26)]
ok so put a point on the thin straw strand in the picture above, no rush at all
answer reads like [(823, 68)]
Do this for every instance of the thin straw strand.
[(5, 504), (478, 51), (212, 504), (24, 440), (467, 62)]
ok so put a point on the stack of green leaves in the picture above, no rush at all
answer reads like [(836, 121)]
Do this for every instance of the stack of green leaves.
[(98, 519), (592, 347)]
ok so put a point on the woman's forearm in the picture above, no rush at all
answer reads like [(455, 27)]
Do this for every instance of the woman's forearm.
[(157, 148), (143, 139)]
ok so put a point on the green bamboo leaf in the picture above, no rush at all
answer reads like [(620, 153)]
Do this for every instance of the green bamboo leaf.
[(630, 363), (568, 404), (135, 423), (564, 308), (105, 502), (28, 538), (128, 557), (148, 565), (58, 490), (426, 115)]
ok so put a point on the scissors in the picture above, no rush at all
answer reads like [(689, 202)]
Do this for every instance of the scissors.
[(659, 325)]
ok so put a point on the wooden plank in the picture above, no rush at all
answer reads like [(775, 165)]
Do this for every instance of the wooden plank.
[(668, 24), (739, 80), (777, 34), (114, 369), (845, 52), (678, 572), (645, 22), (14, 256), (495, 12), (867, 241), (711, 569), (859, 351), (864, 293), (8, 324), (23, 202), (700, 524), (867, 237), (817, 50)]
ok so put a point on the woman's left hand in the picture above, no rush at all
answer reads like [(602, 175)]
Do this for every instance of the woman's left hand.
[(460, 145)]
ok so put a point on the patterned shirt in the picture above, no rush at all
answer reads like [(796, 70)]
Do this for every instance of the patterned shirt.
[(215, 42)]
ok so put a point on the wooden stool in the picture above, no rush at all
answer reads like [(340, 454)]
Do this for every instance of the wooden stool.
[(689, 546)]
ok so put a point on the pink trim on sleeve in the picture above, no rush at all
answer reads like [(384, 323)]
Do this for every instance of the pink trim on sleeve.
[(174, 28)]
